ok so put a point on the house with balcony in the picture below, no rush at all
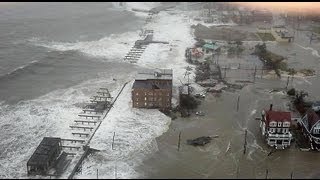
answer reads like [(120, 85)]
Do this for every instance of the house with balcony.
[(310, 124), (275, 127)]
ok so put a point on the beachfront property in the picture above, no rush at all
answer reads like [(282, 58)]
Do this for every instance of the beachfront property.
[(152, 89), (281, 34), (275, 127), (45, 156), (262, 15), (310, 124)]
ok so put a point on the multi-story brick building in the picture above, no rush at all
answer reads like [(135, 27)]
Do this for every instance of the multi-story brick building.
[(152, 89)]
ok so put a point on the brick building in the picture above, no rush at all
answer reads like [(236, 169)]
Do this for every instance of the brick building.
[(152, 89)]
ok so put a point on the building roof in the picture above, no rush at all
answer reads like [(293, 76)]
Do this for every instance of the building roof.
[(312, 118), (44, 151), (278, 116), (164, 74), (211, 46), (143, 84), (317, 103)]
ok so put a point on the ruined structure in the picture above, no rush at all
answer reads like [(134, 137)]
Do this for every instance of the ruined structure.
[(152, 89), (45, 156)]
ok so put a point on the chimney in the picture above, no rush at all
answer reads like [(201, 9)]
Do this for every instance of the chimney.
[(270, 107)]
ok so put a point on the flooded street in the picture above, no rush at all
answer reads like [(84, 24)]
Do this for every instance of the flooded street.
[(222, 119), (224, 156)]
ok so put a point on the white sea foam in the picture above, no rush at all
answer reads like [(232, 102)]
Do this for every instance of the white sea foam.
[(135, 133), (48, 115), (113, 47), (135, 129)]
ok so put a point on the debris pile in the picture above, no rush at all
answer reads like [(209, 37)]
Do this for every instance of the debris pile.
[(200, 141)]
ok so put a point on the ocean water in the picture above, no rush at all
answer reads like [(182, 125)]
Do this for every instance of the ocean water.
[(53, 58)]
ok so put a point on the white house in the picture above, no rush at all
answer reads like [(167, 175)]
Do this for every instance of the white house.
[(311, 126), (275, 127)]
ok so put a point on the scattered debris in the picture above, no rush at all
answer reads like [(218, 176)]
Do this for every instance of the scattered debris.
[(200, 113), (229, 146), (200, 141), (291, 92)]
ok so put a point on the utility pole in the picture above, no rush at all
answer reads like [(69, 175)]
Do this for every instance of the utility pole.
[(97, 174), (238, 103), (245, 142), (179, 141), (114, 133), (267, 173), (287, 82), (254, 74)]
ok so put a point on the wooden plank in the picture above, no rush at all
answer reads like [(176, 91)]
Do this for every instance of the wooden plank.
[(75, 133), (86, 116), (92, 110), (81, 127), (71, 147), (74, 140), (102, 97), (88, 122)]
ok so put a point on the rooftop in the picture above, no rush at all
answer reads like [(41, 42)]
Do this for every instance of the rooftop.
[(313, 118), (44, 151), (278, 116), (149, 85), (211, 46), (163, 74)]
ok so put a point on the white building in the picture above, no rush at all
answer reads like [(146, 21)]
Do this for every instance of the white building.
[(311, 127), (275, 127)]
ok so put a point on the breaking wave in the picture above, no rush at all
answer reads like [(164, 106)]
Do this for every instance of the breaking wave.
[(112, 47)]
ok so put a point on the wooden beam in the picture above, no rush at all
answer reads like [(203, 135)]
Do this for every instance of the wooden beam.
[(92, 110), (86, 134), (83, 127), (84, 121), (74, 140), (92, 116), (71, 147)]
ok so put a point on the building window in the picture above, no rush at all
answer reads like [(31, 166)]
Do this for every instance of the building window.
[(278, 130), (168, 94), (145, 104), (145, 98), (150, 93), (137, 103), (137, 94), (145, 93), (279, 124), (137, 99), (284, 130)]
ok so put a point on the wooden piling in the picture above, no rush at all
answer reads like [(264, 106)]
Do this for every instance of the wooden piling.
[(287, 82), (238, 103), (97, 174), (114, 133), (254, 74), (267, 171), (245, 142), (179, 141)]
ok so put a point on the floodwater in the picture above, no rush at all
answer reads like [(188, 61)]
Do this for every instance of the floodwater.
[(224, 156)]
